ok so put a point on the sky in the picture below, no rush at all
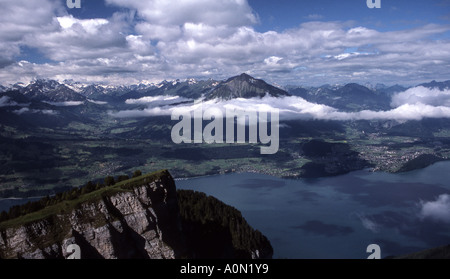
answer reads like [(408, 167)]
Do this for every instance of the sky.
[(287, 42)]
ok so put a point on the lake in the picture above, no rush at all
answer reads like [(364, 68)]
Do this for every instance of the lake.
[(338, 217)]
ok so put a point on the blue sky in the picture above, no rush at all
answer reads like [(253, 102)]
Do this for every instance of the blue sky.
[(284, 41), (393, 14), (284, 14)]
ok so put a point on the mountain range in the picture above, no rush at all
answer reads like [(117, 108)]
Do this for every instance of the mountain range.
[(49, 103), (349, 97)]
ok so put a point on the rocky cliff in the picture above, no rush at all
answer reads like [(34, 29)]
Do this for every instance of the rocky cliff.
[(140, 219)]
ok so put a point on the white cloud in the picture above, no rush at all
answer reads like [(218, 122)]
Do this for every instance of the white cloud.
[(272, 60), (77, 39), (292, 107), (178, 12), (201, 38), (65, 104), (27, 110), (368, 223), (21, 111), (438, 210), (141, 113), (346, 55), (47, 111), (6, 102), (157, 100), (158, 32), (91, 26), (405, 112), (20, 19), (422, 95), (97, 102)]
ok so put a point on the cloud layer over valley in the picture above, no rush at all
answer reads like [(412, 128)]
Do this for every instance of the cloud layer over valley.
[(414, 104)]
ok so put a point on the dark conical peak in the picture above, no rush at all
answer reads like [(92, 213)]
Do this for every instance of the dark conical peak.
[(355, 87), (241, 77), (350, 85), (244, 75), (244, 86)]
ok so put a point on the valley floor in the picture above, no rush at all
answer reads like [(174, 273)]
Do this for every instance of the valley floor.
[(36, 166)]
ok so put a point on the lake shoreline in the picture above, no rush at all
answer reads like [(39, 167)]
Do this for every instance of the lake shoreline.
[(257, 171), (298, 177), (336, 217)]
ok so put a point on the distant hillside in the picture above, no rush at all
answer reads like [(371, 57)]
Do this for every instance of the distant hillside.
[(436, 84), (351, 97)]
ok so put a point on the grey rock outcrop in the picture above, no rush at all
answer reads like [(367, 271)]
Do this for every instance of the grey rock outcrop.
[(141, 223)]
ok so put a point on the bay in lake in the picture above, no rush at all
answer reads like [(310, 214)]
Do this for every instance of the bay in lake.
[(338, 217)]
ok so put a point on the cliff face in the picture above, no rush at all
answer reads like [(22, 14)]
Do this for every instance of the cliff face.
[(139, 222), (142, 223)]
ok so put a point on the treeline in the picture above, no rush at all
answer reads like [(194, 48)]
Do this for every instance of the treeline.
[(72, 194), (207, 218)]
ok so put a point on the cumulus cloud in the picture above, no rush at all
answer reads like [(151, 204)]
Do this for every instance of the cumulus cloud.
[(156, 40), (178, 12), (422, 95), (20, 19), (438, 210), (77, 39)]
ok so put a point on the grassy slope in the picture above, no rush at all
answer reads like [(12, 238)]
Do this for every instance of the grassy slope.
[(69, 205)]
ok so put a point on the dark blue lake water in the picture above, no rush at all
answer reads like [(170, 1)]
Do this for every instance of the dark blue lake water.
[(339, 217)]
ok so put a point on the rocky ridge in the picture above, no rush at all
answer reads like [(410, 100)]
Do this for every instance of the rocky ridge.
[(133, 222)]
